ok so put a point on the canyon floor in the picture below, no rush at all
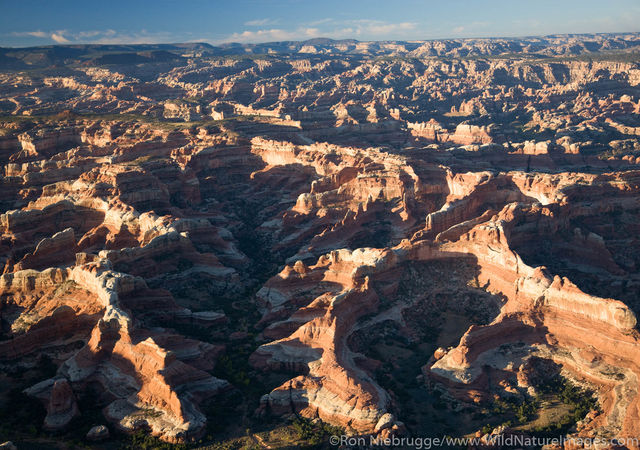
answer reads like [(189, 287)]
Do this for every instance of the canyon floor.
[(261, 246)]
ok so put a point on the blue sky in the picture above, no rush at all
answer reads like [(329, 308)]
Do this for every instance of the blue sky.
[(40, 22)]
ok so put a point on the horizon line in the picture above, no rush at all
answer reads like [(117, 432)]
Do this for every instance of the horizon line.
[(227, 43)]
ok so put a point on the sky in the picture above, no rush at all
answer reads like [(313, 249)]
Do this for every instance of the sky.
[(48, 22)]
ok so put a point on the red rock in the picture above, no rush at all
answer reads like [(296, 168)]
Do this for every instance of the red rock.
[(62, 407), (116, 225)]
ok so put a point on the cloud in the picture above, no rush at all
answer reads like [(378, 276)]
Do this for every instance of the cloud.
[(59, 38), (56, 36), (377, 29), (260, 22), (458, 29), (390, 28), (142, 37), (361, 29), (95, 33), (40, 34), (107, 36), (274, 34), (321, 21)]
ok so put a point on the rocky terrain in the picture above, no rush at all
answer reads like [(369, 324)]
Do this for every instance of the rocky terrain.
[(392, 238)]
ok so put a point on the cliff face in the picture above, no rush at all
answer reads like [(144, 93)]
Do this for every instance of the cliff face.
[(341, 227)]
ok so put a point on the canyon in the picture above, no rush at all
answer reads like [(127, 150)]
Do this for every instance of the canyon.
[(387, 237)]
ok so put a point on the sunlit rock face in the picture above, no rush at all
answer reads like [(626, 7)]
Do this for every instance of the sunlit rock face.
[(335, 218)]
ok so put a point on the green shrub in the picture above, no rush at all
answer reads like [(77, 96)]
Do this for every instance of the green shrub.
[(142, 439)]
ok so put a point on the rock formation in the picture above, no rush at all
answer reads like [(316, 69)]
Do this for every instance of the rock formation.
[(319, 213)]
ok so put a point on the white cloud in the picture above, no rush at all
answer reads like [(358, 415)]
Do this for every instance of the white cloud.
[(107, 36), (378, 30), (390, 28), (361, 29), (321, 21), (40, 34), (59, 38), (95, 33), (458, 29), (56, 36), (272, 35), (143, 37), (260, 22)]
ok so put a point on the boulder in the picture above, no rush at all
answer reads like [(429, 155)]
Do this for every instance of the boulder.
[(98, 433), (62, 407)]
